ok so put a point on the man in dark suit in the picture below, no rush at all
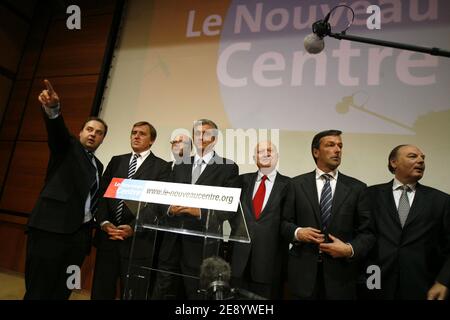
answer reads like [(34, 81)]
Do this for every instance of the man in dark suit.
[(327, 219), (184, 253), (59, 227), (115, 219), (257, 266), (412, 224)]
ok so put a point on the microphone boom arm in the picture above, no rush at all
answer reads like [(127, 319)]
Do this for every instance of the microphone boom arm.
[(433, 51)]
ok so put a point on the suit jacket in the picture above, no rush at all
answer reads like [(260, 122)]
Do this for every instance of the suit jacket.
[(153, 168), (70, 175), (350, 222), (411, 258), (267, 248), (218, 172)]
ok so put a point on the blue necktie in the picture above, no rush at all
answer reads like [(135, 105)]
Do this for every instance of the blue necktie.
[(325, 202)]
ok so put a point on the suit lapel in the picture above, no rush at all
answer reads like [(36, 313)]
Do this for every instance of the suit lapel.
[(145, 167), (310, 189), (388, 203), (186, 171), (272, 195), (87, 166), (249, 185), (211, 166), (124, 164), (417, 205), (340, 194)]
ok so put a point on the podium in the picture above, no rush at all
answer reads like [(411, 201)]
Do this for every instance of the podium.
[(167, 249)]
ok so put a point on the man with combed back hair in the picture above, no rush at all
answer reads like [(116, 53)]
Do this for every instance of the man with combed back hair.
[(327, 219), (184, 253)]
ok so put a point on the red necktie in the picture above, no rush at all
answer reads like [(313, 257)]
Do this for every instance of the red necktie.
[(258, 200)]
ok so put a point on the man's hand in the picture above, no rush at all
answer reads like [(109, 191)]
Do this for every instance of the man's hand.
[(48, 97), (437, 292), (175, 210), (117, 233), (180, 210), (310, 235), (336, 248), (126, 230), (195, 212), (108, 227)]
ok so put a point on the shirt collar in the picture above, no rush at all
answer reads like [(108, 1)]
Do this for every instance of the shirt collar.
[(271, 176), (206, 158), (333, 174), (143, 155), (398, 184)]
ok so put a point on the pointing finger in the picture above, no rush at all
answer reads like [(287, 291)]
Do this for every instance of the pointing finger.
[(49, 86)]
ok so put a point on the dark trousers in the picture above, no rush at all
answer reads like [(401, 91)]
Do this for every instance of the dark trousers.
[(319, 292), (182, 266), (109, 267), (266, 290), (48, 257), (112, 263), (169, 282)]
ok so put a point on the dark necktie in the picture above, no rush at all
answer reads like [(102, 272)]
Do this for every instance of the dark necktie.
[(94, 186), (131, 172), (403, 204), (325, 202), (258, 200)]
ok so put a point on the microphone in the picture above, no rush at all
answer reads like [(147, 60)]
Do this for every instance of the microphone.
[(314, 42), (215, 274)]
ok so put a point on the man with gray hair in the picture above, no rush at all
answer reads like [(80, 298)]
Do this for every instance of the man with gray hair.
[(185, 252)]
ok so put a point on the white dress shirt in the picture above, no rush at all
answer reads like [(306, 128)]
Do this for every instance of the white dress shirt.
[(320, 181), (398, 192), (269, 185), (141, 159), (52, 113), (206, 159)]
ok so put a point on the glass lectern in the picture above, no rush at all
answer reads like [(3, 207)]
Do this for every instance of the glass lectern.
[(178, 243)]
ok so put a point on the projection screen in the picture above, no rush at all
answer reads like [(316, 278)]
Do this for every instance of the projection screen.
[(242, 64)]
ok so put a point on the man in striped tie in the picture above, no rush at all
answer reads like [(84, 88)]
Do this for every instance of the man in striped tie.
[(116, 221), (327, 220)]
